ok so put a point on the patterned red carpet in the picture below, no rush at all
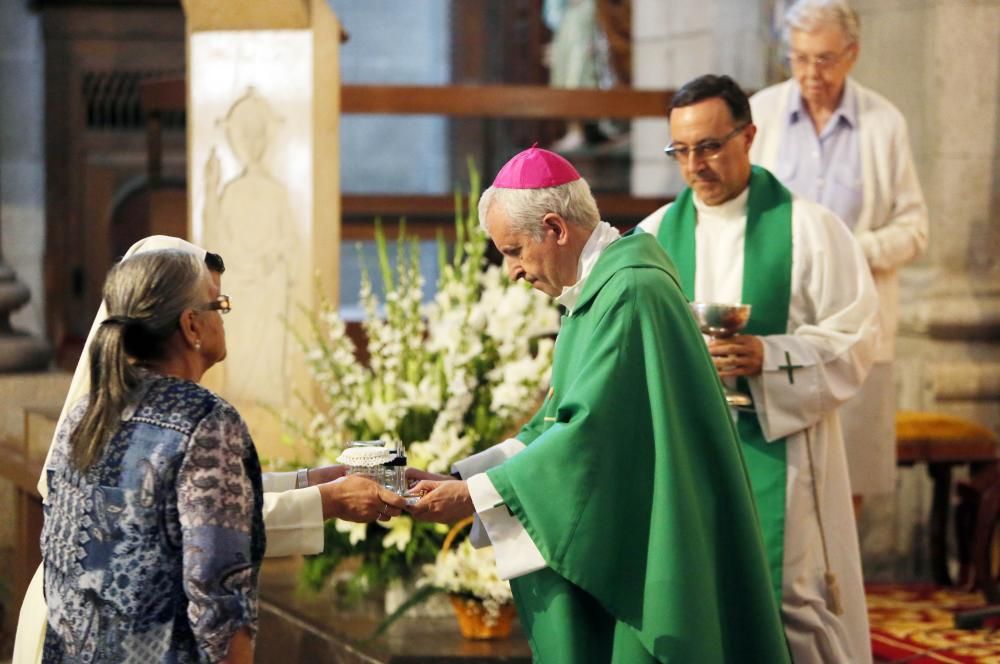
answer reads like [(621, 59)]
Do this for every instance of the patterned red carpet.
[(915, 624)]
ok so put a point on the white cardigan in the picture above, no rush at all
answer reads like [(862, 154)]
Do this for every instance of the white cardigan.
[(892, 225)]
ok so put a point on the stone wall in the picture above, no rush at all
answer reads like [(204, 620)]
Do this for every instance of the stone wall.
[(949, 355), (937, 61)]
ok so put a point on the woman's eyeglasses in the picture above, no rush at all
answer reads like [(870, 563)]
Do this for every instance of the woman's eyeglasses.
[(222, 304)]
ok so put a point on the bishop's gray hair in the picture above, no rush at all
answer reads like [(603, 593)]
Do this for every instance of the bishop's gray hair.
[(145, 295), (572, 201), (811, 15)]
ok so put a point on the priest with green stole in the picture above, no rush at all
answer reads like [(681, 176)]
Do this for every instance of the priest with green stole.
[(622, 512), (737, 235)]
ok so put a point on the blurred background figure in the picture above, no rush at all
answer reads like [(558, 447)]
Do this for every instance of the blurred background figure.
[(572, 56), (833, 141), (591, 48)]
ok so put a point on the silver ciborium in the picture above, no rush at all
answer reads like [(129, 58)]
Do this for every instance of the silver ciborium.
[(721, 321)]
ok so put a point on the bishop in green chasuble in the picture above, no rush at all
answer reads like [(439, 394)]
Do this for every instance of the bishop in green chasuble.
[(633, 488), (622, 512)]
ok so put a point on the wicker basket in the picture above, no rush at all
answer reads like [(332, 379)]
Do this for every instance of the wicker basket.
[(473, 621)]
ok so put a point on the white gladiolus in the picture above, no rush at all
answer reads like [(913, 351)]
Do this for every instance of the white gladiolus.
[(400, 531), (357, 531), (447, 379)]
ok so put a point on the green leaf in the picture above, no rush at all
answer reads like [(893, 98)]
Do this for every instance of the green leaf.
[(383, 256), (459, 230), (442, 252), (419, 597)]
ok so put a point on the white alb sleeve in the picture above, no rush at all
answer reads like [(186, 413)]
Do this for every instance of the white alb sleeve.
[(480, 463), (278, 481), (516, 553), (293, 521)]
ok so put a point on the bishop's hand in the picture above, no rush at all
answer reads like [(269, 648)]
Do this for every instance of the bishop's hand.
[(442, 501), (414, 475)]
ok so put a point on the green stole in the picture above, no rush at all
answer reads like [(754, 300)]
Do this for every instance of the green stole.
[(767, 286)]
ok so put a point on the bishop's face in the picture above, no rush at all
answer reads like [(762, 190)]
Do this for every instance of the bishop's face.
[(548, 264)]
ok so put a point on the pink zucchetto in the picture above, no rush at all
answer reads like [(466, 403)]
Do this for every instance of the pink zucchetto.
[(535, 168)]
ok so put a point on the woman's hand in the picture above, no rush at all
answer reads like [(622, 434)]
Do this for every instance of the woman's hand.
[(326, 474), (359, 499)]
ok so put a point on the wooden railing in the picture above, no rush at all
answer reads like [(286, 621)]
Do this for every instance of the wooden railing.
[(496, 101), (428, 212)]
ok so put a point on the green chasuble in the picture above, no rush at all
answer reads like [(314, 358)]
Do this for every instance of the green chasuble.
[(767, 287), (633, 488)]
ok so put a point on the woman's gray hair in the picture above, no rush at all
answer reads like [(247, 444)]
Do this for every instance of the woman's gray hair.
[(525, 208), (144, 296), (810, 15)]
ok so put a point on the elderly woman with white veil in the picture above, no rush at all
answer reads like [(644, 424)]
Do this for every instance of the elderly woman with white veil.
[(155, 511)]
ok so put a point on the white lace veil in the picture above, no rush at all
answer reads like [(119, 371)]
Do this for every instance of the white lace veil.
[(81, 377)]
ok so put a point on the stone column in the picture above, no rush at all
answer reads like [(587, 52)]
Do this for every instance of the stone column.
[(19, 351), (22, 176), (937, 61), (263, 187)]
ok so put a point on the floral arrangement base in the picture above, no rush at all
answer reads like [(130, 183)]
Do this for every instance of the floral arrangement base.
[(475, 623)]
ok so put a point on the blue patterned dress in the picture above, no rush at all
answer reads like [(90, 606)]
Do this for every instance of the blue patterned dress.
[(152, 555)]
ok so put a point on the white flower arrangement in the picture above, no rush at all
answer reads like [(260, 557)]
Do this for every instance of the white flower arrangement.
[(469, 572), (446, 379)]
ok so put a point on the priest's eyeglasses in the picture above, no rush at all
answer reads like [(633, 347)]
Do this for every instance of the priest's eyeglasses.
[(708, 149), (222, 304)]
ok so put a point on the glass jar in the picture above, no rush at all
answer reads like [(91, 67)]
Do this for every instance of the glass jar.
[(374, 473)]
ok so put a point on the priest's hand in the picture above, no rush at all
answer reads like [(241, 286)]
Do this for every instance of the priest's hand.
[(359, 499), (442, 502), (741, 355)]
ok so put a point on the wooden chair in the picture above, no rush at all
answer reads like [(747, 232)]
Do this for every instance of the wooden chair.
[(943, 442)]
